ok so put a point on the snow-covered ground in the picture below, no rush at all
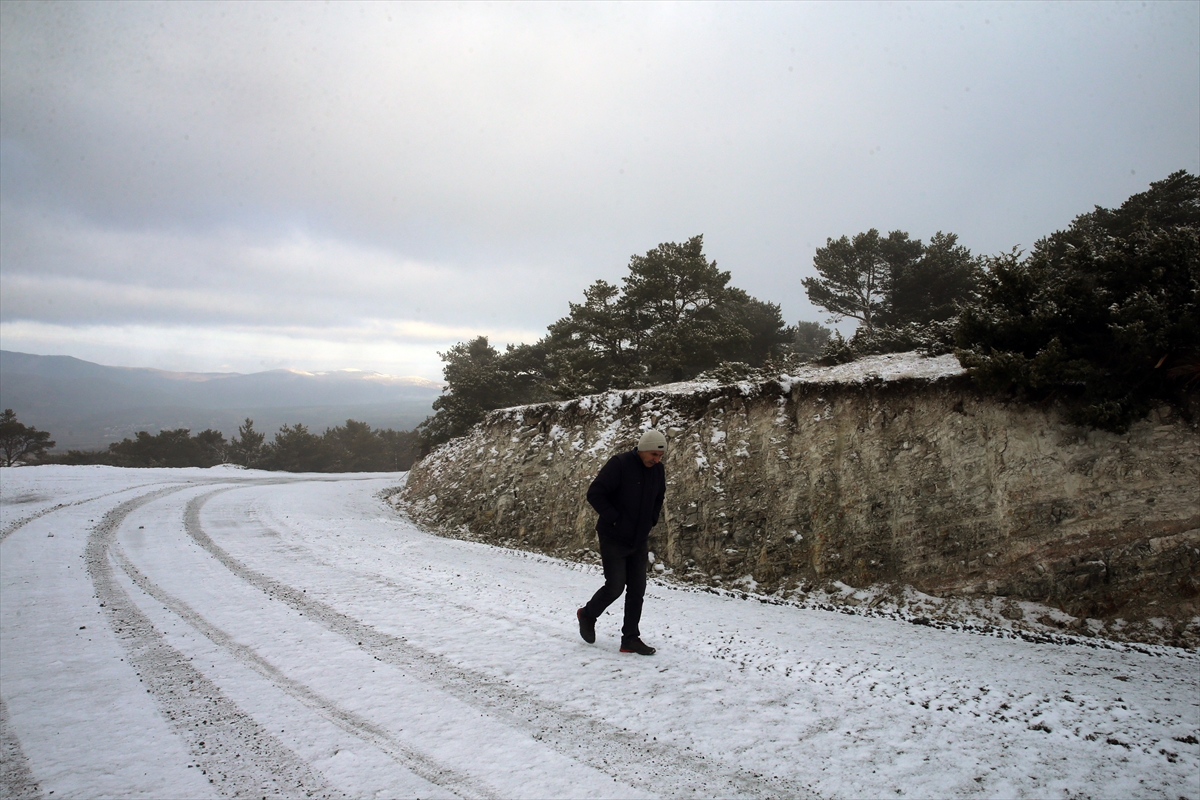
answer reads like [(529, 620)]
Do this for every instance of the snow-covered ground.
[(198, 633)]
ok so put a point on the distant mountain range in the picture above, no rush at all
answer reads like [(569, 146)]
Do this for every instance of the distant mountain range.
[(87, 406)]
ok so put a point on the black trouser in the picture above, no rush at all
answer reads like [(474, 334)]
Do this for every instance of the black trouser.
[(624, 570)]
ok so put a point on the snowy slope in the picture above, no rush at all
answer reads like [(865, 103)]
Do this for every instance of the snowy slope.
[(197, 633)]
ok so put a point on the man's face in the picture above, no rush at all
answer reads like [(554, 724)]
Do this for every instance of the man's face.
[(650, 457)]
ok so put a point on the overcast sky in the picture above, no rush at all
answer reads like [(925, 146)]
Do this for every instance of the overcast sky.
[(238, 187)]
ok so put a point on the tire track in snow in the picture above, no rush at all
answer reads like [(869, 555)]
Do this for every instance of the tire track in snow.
[(16, 778), (17, 524), (656, 767), (240, 758), (348, 721)]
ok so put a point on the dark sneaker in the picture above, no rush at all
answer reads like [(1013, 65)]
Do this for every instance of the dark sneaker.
[(632, 644), (587, 627)]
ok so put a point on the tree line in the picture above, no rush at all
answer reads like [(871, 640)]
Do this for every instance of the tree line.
[(1103, 317), (674, 315), (353, 447)]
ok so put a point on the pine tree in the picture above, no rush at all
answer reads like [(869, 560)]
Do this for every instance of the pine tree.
[(855, 276), (809, 339), (295, 449), (475, 384), (1105, 315), (594, 348), (353, 447), (675, 298), (930, 287), (400, 449), (170, 448), (765, 332), (209, 447), (19, 442), (246, 448)]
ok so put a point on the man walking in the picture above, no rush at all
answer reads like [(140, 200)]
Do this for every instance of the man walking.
[(628, 495)]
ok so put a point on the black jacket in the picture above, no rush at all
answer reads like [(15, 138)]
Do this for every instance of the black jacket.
[(628, 497)]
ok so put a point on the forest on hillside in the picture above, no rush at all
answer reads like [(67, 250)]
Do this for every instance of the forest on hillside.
[(1103, 317)]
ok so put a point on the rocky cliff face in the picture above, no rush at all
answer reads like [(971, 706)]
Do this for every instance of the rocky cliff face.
[(890, 471)]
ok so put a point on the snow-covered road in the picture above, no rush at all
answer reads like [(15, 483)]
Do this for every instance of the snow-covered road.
[(200, 633)]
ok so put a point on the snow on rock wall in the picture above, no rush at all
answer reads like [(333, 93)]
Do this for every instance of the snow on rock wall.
[(890, 470)]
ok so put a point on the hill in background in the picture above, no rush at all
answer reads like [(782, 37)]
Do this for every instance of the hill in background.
[(87, 406)]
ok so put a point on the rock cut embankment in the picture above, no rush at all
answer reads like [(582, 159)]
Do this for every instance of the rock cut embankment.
[(889, 471)]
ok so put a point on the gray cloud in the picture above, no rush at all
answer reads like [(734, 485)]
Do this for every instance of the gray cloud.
[(420, 171), (93, 274)]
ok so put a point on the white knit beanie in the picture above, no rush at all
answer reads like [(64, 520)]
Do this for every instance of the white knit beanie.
[(652, 440)]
